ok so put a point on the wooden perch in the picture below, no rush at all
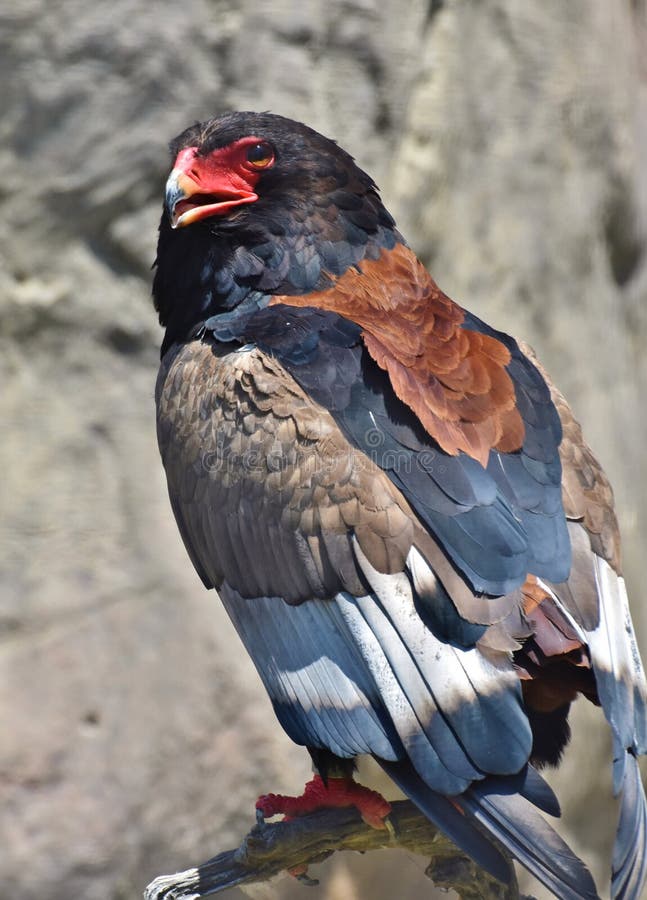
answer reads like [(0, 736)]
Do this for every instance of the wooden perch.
[(271, 848)]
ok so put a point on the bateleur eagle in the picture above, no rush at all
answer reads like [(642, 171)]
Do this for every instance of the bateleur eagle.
[(396, 506)]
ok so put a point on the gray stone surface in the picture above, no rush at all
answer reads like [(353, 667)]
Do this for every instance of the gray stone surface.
[(510, 140)]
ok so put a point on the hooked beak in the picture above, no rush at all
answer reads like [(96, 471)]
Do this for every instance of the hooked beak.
[(188, 202)]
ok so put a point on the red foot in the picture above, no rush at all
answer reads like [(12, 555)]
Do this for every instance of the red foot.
[(372, 807), (296, 871)]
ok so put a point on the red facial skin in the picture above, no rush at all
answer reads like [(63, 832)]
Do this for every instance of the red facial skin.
[(203, 186)]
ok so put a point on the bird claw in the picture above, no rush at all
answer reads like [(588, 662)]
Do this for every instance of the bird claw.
[(390, 827), (334, 793)]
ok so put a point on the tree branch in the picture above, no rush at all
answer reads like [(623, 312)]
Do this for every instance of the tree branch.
[(271, 848)]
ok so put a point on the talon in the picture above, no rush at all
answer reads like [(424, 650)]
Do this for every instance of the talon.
[(298, 871), (301, 875), (270, 805), (390, 827)]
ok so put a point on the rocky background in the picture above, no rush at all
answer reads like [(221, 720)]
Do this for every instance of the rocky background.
[(509, 139)]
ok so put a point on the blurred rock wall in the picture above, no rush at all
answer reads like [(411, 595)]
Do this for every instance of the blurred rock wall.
[(509, 139)]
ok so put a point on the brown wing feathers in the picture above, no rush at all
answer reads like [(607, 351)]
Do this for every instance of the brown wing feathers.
[(307, 490)]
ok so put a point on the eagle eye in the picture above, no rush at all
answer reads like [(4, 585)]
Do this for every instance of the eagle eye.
[(260, 155)]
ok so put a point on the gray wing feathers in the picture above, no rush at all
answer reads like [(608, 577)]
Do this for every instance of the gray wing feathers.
[(319, 686), (622, 689), (475, 704), (619, 672), (365, 675), (629, 871), (620, 679)]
